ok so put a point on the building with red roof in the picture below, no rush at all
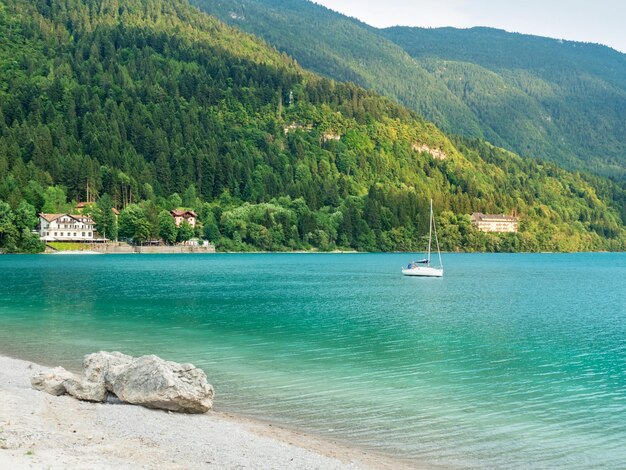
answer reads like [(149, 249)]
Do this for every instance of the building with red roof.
[(181, 215)]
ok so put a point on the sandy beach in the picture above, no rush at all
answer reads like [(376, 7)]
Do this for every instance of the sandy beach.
[(38, 430)]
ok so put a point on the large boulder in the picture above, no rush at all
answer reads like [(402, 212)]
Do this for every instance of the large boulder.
[(148, 381), (154, 383)]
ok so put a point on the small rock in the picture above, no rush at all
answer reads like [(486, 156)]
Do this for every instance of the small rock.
[(113, 400), (51, 382)]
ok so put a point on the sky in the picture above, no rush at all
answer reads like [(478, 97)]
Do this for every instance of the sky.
[(599, 21)]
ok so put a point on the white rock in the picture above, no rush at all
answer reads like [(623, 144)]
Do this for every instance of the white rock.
[(59, 381), (86, 390), (154, 383), (105, 366), (52, 381), (148, 381)]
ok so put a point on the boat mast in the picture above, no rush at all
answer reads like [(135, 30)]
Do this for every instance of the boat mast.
[(437, 240), (430, 230)]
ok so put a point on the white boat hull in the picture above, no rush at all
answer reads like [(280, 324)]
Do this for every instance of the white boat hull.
[(423, 271)]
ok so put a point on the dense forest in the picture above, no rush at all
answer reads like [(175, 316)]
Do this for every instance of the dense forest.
[(346, 50), (558, 100), (151, 105), (568, 98)]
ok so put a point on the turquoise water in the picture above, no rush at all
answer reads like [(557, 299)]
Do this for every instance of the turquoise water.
[(508, 361)]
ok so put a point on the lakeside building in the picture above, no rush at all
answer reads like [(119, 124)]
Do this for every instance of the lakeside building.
[(67, 228), (181, 216), (499, 223)]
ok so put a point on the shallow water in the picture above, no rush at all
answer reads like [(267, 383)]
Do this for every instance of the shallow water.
[(508, 361)]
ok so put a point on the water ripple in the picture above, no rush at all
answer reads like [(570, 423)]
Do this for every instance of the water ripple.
[(510, 361)]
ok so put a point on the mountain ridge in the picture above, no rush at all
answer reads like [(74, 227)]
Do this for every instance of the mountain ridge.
[(580, 125)]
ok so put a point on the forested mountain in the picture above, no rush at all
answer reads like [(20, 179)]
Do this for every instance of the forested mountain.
[(347, 50), (536, 95), (150, 105), (558, 100)]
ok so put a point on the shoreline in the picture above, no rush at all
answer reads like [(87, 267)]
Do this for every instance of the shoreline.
[(40, 430), (87, 252)]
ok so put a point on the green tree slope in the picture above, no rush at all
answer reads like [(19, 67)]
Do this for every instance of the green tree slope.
[(148, 99), (560, 99), (557, 100), (347, 50)]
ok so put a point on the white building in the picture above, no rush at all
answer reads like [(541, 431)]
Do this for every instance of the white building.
[(499, 223), (67, 228)]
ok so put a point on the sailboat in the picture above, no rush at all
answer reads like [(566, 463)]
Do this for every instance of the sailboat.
[(423, 268)]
